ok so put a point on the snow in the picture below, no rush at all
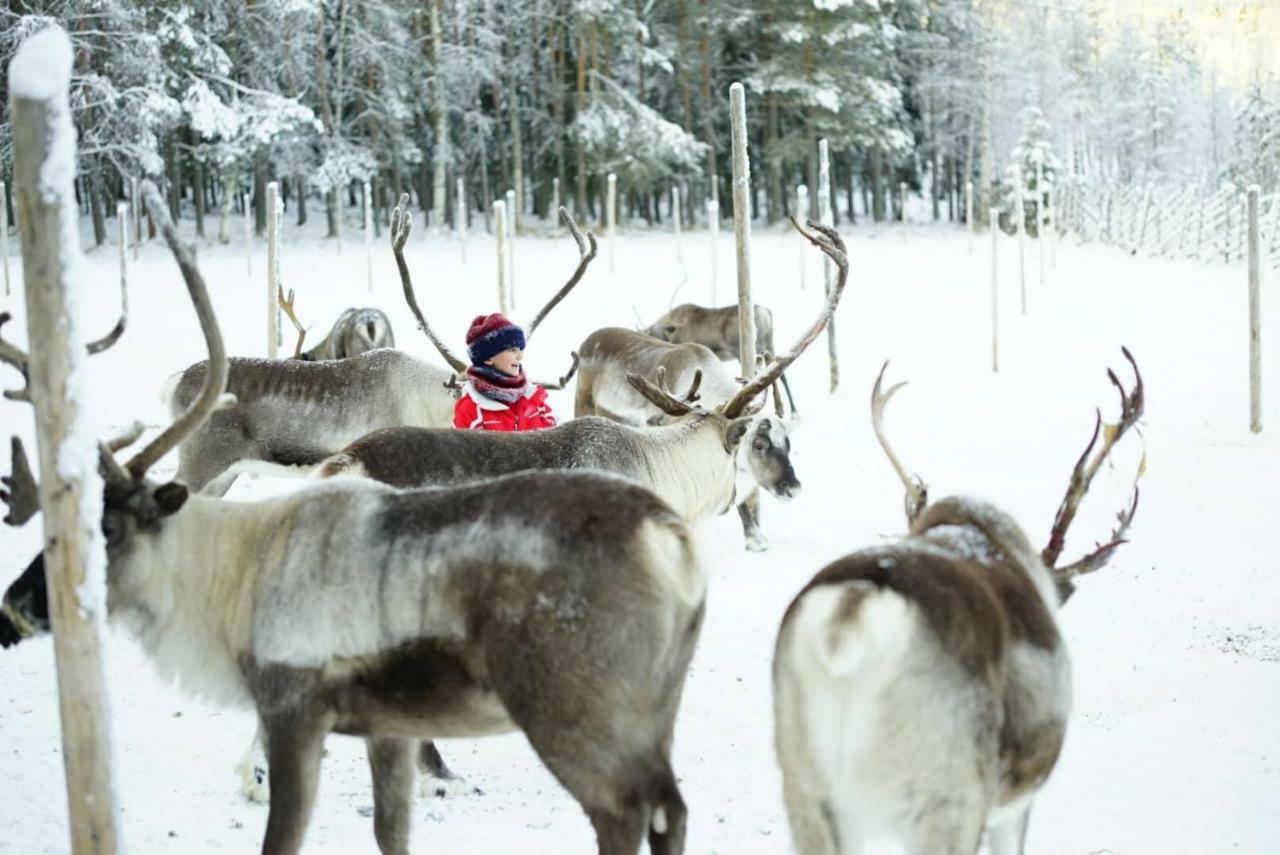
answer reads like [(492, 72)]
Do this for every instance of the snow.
[(42, 67), (1175, 645)]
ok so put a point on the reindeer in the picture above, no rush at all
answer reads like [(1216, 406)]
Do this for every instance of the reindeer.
[(922, 688), (563, 604), (292, 412), (355, 332), (716, 329), (612, 382)]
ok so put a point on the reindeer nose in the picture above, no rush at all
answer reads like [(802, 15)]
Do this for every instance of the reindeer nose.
[(788, 490)]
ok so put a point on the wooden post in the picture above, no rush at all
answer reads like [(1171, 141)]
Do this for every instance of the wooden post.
[(902, 201), (4, 235), (611, 214), (367, 196), (1041, 195), (555, 202), (248, 236), (1048, 226), (460, 217), (273, 269), (1255, 315), (337, 215), (512, 214), (802, 208), (136, 202), (70, 488), (828, 269), (742, 229), (122, 224), (995, 288), (1020, 214), (675, 221), (713, 232), (968, 212), (500, 234)]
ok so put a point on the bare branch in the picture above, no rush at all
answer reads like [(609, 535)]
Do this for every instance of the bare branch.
[(286, 306), (20, 492), (1132, 404), (401, 226), (828, 240), (917, 497), (660, 398), (585, 257), (564, 380), (20, 360), (216, 376)]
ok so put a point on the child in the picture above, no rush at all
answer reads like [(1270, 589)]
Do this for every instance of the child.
[(497, 396)]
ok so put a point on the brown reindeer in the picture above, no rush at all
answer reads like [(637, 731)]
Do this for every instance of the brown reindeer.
[(563, 604), (922, 687), (356, 331)]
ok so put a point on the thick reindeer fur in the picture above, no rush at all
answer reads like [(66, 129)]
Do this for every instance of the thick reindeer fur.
[(294, 412), (921, 689), (563, 604)]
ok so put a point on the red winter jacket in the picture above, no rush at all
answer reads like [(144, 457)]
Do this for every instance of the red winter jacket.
[(476, 412)]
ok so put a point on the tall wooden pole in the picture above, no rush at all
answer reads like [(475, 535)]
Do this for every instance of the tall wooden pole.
[(367, 196), (611, 214), (4, 234), (555, 200), (675, 221), (1255, 315), (994, 215), (1020, 214), (122, 222), (802, 205), (70, 487), (742, 229), (713, 234), (968, 213), (248, 237), (513, 214), (500, 235), (828, 269), (460, 216), (273, 269)]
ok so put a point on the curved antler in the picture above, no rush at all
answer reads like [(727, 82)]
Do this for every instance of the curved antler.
[(19, 359), (401, 226), (828, 240), (564, 380), (585, 257), (659, 397), (917, 497), (286, 305), (118, 330), (1132, 404), (20, 491), (215, 381)]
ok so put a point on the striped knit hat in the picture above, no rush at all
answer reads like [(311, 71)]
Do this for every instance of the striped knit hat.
[(489, 335)]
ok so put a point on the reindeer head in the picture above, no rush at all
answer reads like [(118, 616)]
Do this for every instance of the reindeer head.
[(921, 514), (765, 454), (132, 504)]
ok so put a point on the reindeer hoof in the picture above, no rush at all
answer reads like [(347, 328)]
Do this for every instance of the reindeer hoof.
[(757, 543), (446, 788), (253, 783)]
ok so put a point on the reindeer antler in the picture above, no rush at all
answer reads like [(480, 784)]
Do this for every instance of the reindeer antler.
[(917, 497), (585, 257), (20, 492), (210, 397), (564, 380), (286, 305), (1132, 404), (112, 337), (828, 240), (19, 359), (659, 397), (401, 226)]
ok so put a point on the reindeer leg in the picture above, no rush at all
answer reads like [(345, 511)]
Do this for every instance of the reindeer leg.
[(618, 834), (295, 744), (438, 779), (252, 770), (1011, 837), (749, 511), (391, 764)]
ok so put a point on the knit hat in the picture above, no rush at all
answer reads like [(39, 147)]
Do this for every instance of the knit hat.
[(489, 335)]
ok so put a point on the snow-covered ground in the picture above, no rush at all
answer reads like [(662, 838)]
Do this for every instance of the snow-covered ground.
[(1173, 746)]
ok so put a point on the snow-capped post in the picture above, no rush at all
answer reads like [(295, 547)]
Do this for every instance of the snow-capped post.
[(1255, 314), (460, 216), (44, 163), (366, 193), (273, 269), (4, 235), (1040, 197), (742, 229), (968, 212), (1020, 214), (611, 214), (122, 221), (513, 213), (713, 233), (500, 236), (802, 210), (248, 236), (675, 221), (994, 214), (828, 269)]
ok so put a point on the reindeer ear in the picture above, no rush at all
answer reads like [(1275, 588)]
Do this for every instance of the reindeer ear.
[(736, 431), (170, 497)]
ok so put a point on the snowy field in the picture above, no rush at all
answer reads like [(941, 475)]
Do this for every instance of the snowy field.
[(1173, 746)]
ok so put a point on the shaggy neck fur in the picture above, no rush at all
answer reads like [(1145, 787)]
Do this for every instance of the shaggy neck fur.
[(687, 466)]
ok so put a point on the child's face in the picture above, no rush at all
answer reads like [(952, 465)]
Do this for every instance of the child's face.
[(508, 362)]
